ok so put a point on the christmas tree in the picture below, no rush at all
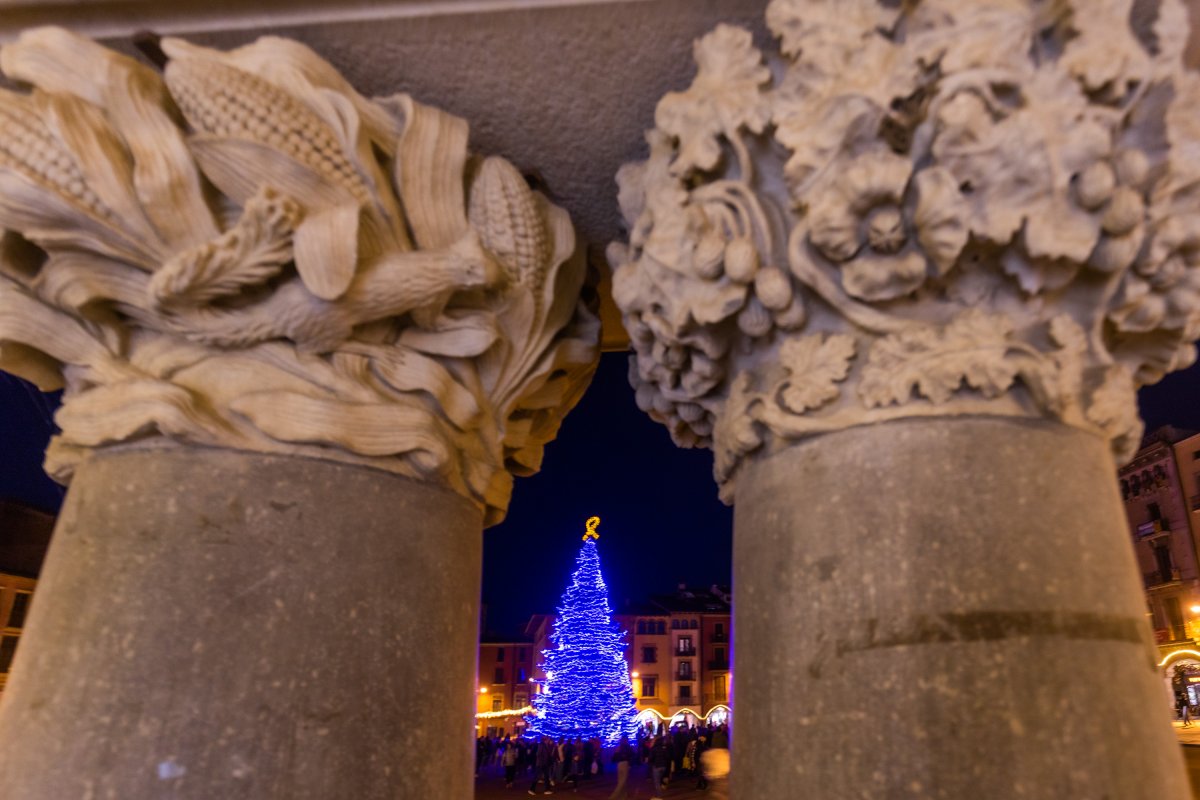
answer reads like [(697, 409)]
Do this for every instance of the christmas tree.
[(587, 691)]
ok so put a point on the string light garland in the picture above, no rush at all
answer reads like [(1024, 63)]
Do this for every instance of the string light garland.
[(508, 712), (587, 692)]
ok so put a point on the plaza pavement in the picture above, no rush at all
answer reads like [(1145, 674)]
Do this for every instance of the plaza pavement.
[(490, 786)]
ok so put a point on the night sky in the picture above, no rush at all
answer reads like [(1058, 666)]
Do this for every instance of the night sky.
[(662, 522)]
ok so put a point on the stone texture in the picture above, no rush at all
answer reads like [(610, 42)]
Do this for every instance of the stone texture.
[(213, 624), (943, 609)]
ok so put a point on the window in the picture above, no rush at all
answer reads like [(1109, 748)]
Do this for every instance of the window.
[(521, 677), (499, 675), (662, 627), (499, 653), (1154, 511), (685, 645), (641, 626), (695, 625), (521, 654), (648, 687), (649, 655), (8, 646), (520, 700), (685, 669), (719, 654), (685, 692), (497, 703), (20, 607), (719, 629), (674, 624)]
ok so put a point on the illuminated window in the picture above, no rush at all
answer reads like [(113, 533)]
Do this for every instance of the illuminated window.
[(497, 703), (648, 687)]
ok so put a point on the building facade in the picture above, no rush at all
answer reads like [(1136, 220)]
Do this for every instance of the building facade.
[(505, 672), (1161, 491)]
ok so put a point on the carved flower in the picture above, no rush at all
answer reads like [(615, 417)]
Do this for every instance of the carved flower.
[(883, 239), (724, 97)]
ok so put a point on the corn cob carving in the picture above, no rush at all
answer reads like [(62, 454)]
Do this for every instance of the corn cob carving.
[(510, 225), (28, 148), (225, 101), (296, 316)]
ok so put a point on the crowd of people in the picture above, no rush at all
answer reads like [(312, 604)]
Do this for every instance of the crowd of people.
[(668, 756)]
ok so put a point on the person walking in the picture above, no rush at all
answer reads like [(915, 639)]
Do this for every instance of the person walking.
[(660, 762), (510, 764), (622, 757), (543, 764)]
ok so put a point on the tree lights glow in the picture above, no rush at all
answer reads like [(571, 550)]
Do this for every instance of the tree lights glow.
[(587, 691)]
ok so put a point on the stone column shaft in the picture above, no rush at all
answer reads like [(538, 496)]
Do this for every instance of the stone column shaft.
[(943, 609), (222, 624)]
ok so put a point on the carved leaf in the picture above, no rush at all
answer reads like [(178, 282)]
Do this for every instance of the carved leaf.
[(251, 252), (1016, 167), (723, 98), (816, 364), (133, 409), (367, 429), (974, 348), (409, 371)]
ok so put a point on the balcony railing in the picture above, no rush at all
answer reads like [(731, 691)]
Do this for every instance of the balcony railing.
[(1153, 526), (685, 676), (719, 665), (685, 651), (1160, 578), (724, 637), (712, 698), (686, 700)]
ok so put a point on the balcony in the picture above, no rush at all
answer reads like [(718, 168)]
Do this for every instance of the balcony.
[(686, 700), (685, 651), (1153, 527), (713, 698), (1160, 577), (724, 637), (685, 676), (719, 665)]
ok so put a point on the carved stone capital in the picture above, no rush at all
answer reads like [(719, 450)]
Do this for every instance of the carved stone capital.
[(244, 252), (916, 209)]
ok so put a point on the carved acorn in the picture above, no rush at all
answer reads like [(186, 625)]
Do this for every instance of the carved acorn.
[(709, 256), (754, 320), (1132, 168), (1124, 212), (1095, 185), (793, 317), (741, 259), (773, 287)]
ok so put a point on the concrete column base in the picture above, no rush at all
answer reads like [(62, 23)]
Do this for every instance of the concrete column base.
[(214, 624), (944, 609)]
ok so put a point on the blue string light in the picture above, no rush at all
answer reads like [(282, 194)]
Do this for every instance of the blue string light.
[(587, 692)]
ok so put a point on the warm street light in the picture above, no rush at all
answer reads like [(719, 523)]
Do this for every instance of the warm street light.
[(1196, 609), (483, 690), (633, 674)]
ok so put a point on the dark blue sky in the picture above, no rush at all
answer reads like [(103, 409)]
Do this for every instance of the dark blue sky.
[(662, 522)]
